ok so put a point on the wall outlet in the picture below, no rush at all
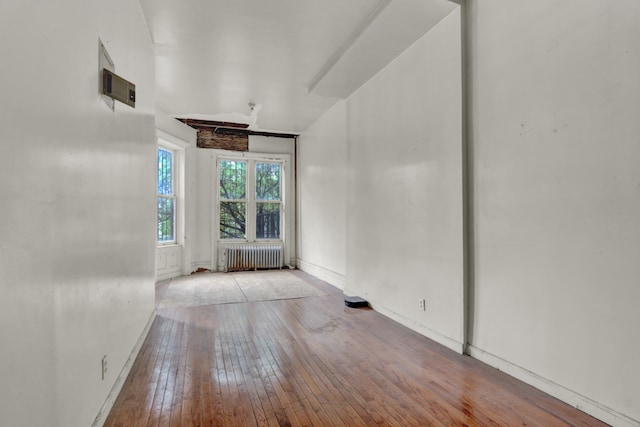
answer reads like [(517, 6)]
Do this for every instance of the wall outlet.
[(104, 366), (423, 304)]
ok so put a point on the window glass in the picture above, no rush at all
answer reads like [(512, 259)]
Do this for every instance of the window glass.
[(250, 199), (267, 220), (166, 196), (165, 172), (166, 214), (267, 181), (233, 206), (233, 179), (233, 220)]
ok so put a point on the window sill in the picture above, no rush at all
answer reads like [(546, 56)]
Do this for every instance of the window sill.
[(167, 245)]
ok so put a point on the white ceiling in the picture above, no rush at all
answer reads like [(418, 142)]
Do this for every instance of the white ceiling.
[(292, 58)]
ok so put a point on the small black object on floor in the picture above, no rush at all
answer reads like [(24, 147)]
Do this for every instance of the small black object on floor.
[(355, 302)]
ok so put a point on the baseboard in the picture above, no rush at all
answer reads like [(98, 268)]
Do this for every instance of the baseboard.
[(570, 397), (329, 276), (168, 275), (117, 386), (436, 336), (200, 264)]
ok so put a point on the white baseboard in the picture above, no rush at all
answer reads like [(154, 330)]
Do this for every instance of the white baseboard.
[(168, 275), (329, 276), (570, 397), (200, 264), (436, 336), (117, 386)]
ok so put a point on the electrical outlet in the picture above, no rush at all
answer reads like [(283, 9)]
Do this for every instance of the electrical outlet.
[(104, 366), (423, 305)]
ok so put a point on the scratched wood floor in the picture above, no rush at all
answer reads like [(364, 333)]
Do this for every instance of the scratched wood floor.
[(314, 362)]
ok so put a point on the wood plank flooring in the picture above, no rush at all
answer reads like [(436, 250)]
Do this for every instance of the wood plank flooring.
[(314, 362)]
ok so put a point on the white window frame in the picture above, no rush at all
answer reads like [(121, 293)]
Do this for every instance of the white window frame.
[(250, 196), (287, 232), (175, 185)]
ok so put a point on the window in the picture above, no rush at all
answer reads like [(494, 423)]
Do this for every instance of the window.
[(251, 189), (233, 199), (166, 196), (268, 200)]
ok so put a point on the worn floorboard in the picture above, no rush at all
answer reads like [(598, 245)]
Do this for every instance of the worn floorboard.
[(314, 362)]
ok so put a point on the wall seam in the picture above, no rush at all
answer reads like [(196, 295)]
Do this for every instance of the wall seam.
[(467, 179)]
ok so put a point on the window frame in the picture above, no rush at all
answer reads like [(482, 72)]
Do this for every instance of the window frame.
[(257, 201), (251, 200), (173, 196), (220, 200)]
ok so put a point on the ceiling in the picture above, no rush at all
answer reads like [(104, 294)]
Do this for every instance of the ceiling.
[(293, 59)]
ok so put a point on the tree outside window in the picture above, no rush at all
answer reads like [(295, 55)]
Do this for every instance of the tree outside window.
[(250, 188), (166, 196)]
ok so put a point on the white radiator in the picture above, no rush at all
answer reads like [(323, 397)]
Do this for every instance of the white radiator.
[(253, 257)]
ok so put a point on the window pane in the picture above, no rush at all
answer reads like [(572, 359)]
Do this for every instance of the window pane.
[(233, 179), (267, 181), (165, 172), (165, 219), (267, 220), (232, 220)]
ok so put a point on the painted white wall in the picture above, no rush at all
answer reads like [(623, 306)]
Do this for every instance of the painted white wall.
[(78, 209), (269, 144), (404, 209), (205, 177), (168, 261), (322, 197), (557, 197), (397, 230)]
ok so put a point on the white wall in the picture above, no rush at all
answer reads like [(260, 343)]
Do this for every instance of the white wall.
[(205, 177), (404, 209), (322, 197), (78, 209), (557, 196), (269, 144), (397, 231)]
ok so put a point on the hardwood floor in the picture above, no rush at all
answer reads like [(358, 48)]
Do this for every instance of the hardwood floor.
[(314, 362)]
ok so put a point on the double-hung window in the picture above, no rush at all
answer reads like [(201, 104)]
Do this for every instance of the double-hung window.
[(166, 196), (268, 200), (250, 199)]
